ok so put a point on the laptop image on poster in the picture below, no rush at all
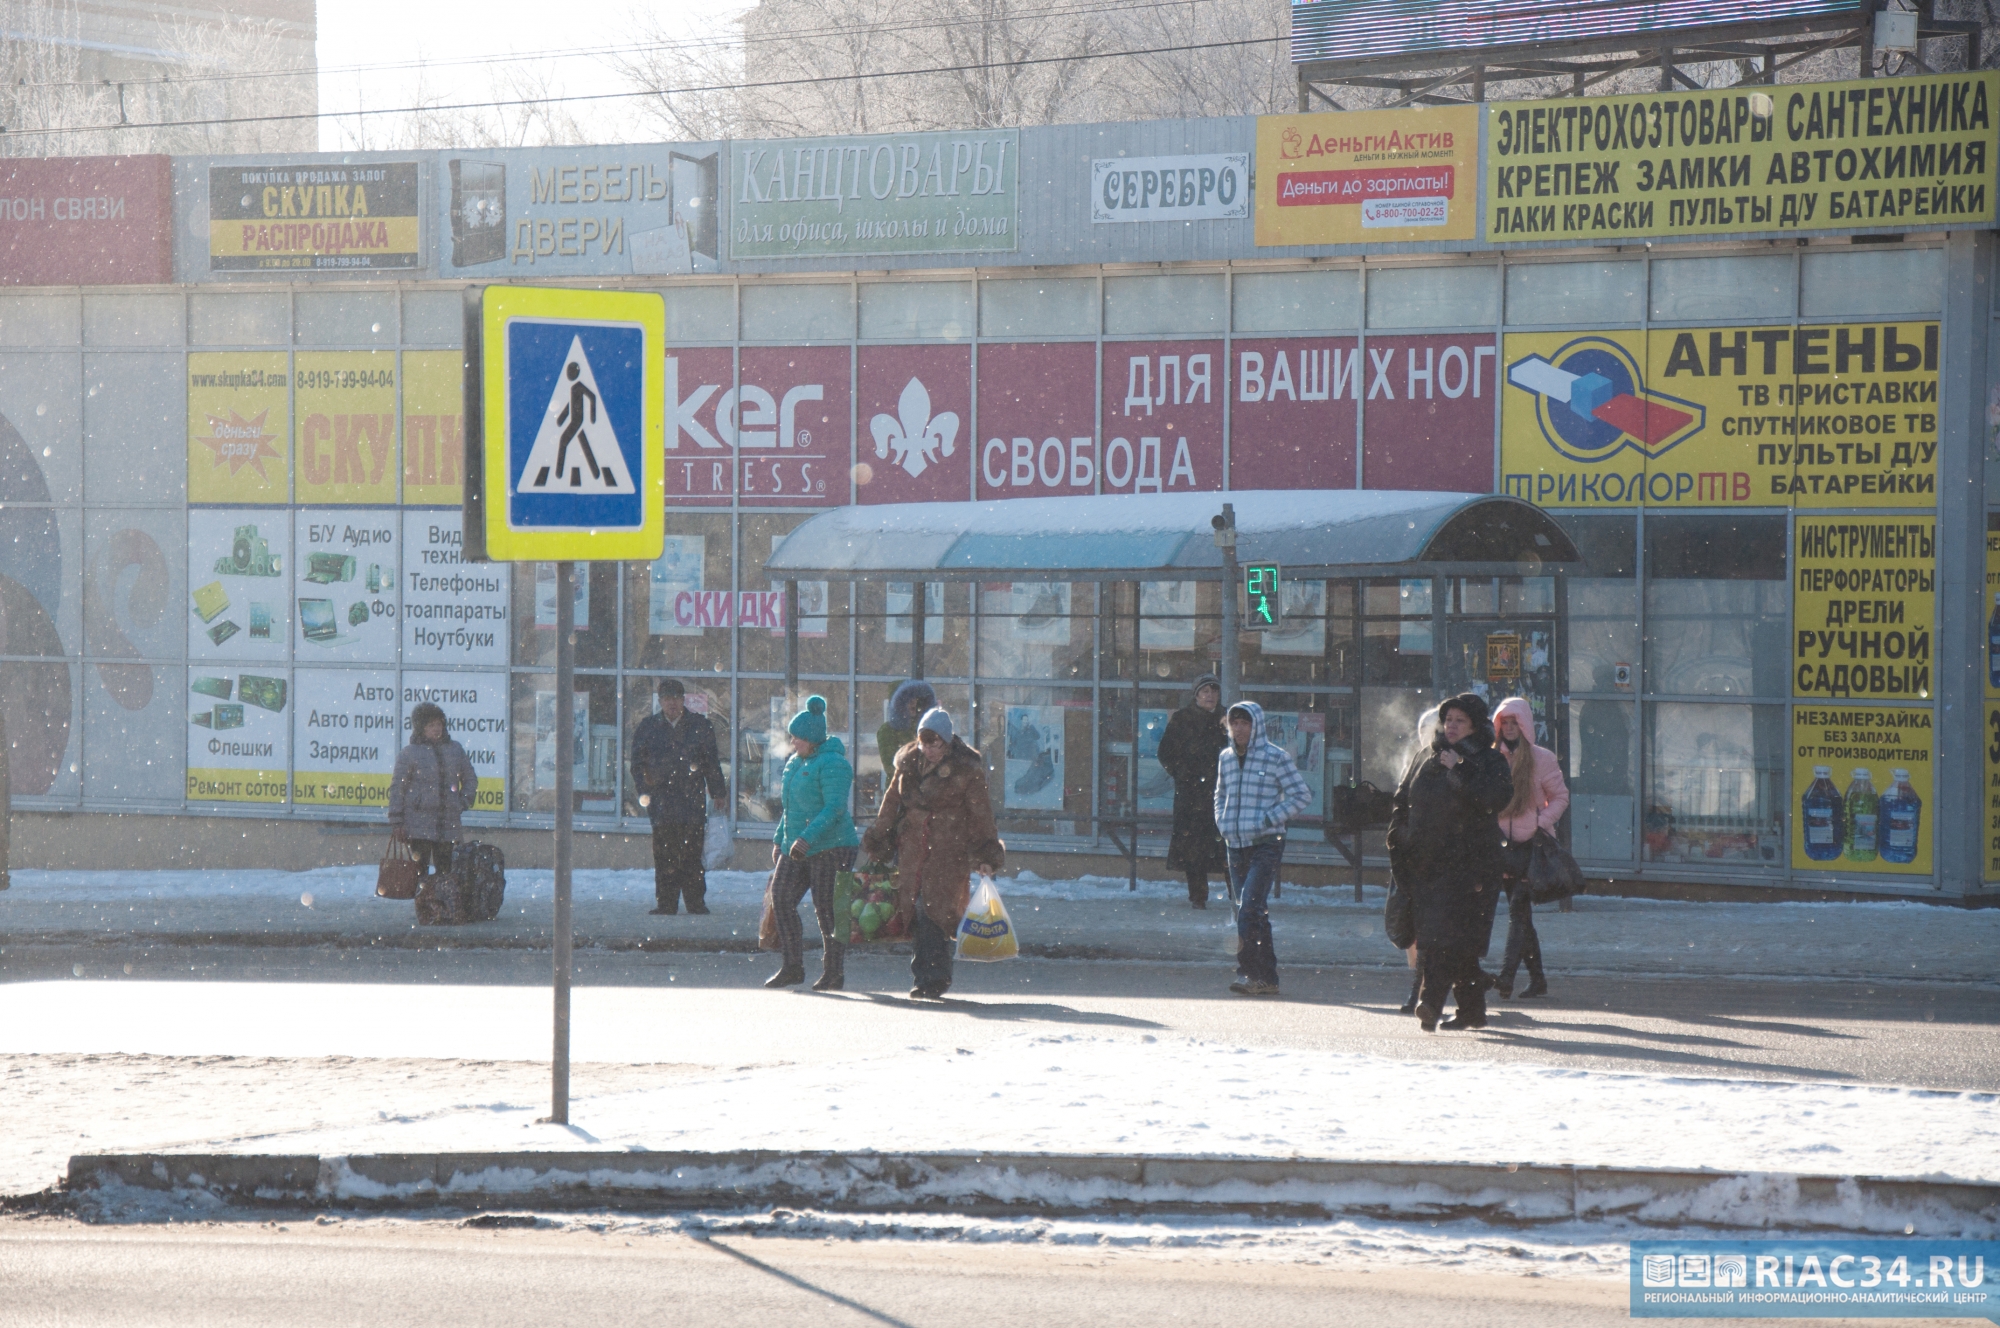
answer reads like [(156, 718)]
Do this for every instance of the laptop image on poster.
[(318, 622)]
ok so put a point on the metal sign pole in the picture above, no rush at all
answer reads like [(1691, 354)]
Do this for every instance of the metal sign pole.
[(565, 788), (1225, 539)]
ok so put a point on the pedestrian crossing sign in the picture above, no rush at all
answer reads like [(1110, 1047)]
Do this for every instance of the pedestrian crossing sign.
[(570, 459)]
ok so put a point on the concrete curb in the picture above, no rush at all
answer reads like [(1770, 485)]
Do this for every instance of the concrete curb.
[(1051, 1185)]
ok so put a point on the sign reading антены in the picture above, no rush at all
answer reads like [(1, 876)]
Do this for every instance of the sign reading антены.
[(878, 194), (1896, 153)]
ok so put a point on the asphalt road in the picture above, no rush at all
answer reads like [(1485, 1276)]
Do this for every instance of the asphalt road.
[(427, 1275)]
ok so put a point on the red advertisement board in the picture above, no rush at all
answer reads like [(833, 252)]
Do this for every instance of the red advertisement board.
[(1292, 422), (916, 441), (86, 221), (701, 467), (1428, 412), (792, 427), (1036, 400), (1163, 407)]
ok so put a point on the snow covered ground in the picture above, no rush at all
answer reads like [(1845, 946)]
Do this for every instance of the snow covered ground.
[(1887, 941)]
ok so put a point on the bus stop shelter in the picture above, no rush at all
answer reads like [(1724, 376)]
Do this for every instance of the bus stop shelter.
[(1455, 543)]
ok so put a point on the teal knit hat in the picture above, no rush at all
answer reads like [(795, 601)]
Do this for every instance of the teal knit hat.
[(810, 723)]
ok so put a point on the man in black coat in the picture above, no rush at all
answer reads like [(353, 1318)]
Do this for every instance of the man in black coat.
[(1444, 844), (1188, 750), (674, 761)]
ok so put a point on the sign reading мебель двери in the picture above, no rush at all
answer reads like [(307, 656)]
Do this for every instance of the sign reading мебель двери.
[(1895, 154), (941, 193), (313, 216)]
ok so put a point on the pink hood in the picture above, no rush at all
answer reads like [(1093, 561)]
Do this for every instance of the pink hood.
[(1523, 713), (1548, 778)]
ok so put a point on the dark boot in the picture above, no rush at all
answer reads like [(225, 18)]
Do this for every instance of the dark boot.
[(1197, 883), (1427, 1018), (1416, 984), (1503, 987), (1537, 984), (786, 977), (1471, 1007)]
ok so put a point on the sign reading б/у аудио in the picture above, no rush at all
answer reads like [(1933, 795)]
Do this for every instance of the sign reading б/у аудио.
[(875, 194)]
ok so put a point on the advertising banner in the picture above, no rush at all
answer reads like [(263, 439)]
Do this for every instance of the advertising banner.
[(453, 611), (344, 578), (942, 193), (1195, 188), (1813, 417), (1033, 770), (1367, 177), (433, 427), (1036, 400), (239, 588), (916, 408), (1428, 413), (1990, 835), (1902, 153), (239, 735), (1292, 424), (791, 426), (1162, 427), (347, 737), (674, 584), (475, 708), (1864, 607), (1862, 775), (581, 211), (315, 216), (239, 442), (703, 400), (87, 221), (344, 409)]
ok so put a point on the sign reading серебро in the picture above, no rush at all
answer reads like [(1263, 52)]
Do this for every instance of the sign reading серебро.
[(874, 194)]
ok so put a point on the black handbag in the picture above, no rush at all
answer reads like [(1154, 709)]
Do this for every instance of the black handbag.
[(1399, 916), (1552, 873)]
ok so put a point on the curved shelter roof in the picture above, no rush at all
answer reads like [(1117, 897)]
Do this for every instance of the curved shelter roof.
[(1341, 532)]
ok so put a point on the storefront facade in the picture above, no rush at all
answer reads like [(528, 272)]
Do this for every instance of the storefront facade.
[(231, 479)]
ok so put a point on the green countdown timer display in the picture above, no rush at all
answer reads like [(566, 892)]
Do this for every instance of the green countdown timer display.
[(1260, 587)]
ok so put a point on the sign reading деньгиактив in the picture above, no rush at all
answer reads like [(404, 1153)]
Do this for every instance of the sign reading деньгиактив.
[(875, 194), (1895, 154)]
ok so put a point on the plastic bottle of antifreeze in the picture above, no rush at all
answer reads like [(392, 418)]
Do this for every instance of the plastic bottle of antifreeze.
[(1825, 828), (1901, 813), (1862, 810)]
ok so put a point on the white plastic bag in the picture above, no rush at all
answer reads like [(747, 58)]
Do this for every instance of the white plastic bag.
[(717, 844), (986, 932)]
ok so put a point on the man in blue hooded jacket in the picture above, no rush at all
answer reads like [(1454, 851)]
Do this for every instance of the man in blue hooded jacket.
[(1258, 789)]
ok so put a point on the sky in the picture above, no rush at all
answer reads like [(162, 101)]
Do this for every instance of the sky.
[(452, 32)]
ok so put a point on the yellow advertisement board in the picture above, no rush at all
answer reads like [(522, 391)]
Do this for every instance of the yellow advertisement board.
[(1864, 607), (1862, 776), (340, 790), (239, 450), (315, 216), (226, 785), (1991, 834), (1367, 177), (1991, 604), (1836, 417), (345, 410), (1893, 153), (433, 428)]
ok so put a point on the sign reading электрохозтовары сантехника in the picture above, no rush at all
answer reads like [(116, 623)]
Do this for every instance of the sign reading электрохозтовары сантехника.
[(1831, 1277)]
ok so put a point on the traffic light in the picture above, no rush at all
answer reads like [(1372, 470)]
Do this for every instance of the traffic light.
[(1260, 587)]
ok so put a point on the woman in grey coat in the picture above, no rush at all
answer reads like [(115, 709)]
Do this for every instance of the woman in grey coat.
[(433, 786)]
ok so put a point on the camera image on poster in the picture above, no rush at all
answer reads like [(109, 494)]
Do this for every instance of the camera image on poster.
[(1034, 767), (239, 584), (239, 734), (345, 583)]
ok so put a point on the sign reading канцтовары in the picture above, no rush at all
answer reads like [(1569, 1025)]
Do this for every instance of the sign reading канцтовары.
[(878, 194), (316, 217)]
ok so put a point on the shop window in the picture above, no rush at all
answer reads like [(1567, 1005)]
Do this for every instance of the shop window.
[(1037, 630), (1164, 305), (433, 318), (789, 312), (884, 627), (596, 753), (1322, 300), (697, 314), (1575, 294), (1433, 297), (1747, 287), (1037, 744), (916, 311), (1603, 604), (704, 696), (871, 712), (1052, 307), (760, 607), (1313, 643), (764, 742), (1389, 740), (1316, 731), (134, 320), (1715, 785), (596, 609), (41, 397), (135, 428), (1603, 777), (1715, 606), (1871, 283), (1123, 767), (40, 320), (263, 319), (676, 606), (345, 318)]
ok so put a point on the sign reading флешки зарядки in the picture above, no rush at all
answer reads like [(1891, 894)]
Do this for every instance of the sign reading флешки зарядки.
[(1888, 153), (875, 194), (312, 216)]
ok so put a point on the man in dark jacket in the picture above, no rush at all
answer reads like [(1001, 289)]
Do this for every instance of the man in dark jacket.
[(1444, 844), (674, 760), (1194, 738)]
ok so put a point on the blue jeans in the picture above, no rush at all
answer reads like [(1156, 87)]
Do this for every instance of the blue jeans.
[(1252, 873)]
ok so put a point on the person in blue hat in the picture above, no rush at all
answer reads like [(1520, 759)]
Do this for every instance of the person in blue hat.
[(815, 842)]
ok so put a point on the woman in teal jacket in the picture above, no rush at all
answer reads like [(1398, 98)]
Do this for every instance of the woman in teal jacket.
[(815, 842)]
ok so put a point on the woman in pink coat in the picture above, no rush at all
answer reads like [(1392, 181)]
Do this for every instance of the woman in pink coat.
[(1540, 798)]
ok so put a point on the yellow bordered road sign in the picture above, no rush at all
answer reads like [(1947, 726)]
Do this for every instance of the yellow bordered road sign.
[(569, 458)]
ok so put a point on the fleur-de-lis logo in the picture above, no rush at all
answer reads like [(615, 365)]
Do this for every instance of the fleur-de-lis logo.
[(917, 438)]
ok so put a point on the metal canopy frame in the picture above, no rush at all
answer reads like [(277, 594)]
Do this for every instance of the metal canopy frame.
[(1461, 78)]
